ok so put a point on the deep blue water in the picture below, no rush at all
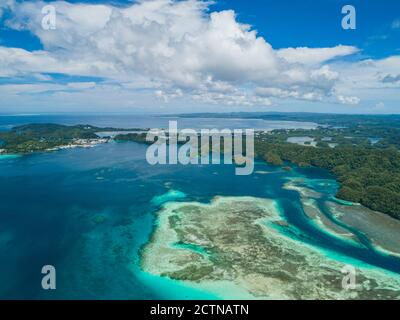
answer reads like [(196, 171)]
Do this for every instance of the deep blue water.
[(89, 211)]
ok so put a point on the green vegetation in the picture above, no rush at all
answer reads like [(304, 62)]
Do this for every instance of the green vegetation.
[(273, 158), (368, 171), (367, 176), (357, 135), (133, 137), (140, 138), (364, 157), (40, 137)]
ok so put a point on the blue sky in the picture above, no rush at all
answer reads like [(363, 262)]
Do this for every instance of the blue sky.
[(297, 23), (174, 56)]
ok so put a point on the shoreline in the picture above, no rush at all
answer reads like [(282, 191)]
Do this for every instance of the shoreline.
[(41, 137), (78, 143)]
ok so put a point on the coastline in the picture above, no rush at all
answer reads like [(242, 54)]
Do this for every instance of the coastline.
[(43, 137)]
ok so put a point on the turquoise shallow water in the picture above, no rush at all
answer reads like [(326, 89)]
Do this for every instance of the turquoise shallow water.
[(88, 212), (8, 156)]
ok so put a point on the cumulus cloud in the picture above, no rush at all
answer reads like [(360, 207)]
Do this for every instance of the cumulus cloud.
[(176, 48), (166, 97), (315, 56), (369, 74), (81, 85), (391, 78), (232, 99), (348, 100), (33, 88)]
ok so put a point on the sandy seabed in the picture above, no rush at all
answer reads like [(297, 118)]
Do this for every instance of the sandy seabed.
[(233, 247)]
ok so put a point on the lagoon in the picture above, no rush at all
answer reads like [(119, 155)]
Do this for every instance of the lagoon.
[(91, 213)]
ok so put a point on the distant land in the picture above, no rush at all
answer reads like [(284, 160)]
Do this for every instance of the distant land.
[(333, 119), (361, 151), (224, 236)]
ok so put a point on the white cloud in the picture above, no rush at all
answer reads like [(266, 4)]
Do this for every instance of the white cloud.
[(29, 88), (166, 97), (391, 78), (16, 62), (33, 88), (81, 85), (348, 100), (232, 99), (369, 74), (178, 50), (315, 56)]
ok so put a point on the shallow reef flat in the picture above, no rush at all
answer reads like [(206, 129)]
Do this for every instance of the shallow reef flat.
[(8, 156), (308, 200), (382, 230), (234, 248), (171, 195)]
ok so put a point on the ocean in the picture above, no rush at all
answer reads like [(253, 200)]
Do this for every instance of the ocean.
[(89, 212)]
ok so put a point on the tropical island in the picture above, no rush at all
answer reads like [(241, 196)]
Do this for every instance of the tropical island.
[(38, 137), (361, 150), (249, 244), (363, 153)]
